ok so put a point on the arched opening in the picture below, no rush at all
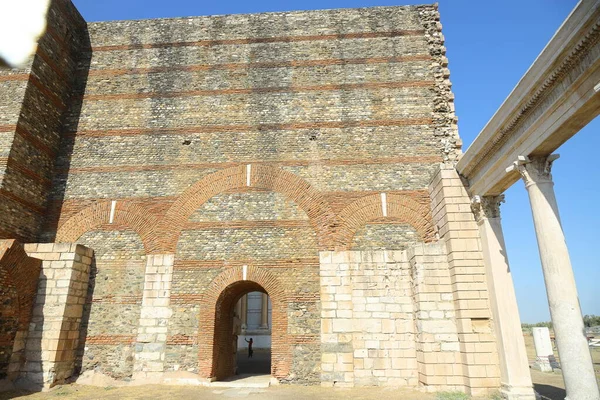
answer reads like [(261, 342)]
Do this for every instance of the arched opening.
[(215, 330), (254, 313), (233, 328)]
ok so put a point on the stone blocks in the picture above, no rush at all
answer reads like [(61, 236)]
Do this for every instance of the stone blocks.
[(155, 314), (467, 280), (213, 150), (53, 337), (367, 329)]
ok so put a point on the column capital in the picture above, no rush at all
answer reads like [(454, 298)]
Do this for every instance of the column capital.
[(486, 206), (534, 170)]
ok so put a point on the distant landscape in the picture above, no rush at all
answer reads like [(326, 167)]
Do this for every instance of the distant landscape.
[(591, 322)]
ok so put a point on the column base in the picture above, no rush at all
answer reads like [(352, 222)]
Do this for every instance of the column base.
[(518, 392), (545, 364)]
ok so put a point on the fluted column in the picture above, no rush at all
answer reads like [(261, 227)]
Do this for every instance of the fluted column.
[(264, 311), (238, 309), (575, 357), (514, 367), (244, 312)]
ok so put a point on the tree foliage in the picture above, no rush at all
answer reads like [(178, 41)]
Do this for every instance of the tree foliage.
[(588, 321), (591, 320)]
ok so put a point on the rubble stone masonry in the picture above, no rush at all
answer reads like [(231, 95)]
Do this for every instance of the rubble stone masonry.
[(290, 153)]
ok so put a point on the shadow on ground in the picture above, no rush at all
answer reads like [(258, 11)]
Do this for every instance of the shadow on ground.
[(259, 364), (549, 391)]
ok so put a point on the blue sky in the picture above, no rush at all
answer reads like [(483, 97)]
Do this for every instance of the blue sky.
[(490, 46)]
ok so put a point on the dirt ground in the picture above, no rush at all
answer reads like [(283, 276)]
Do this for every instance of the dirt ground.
[(282, 392), (549, 385)]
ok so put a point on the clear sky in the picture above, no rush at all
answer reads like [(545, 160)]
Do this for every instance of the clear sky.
[(490, 46)]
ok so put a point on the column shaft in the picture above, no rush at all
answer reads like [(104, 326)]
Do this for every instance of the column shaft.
[(238, 309), (575, 357), (264, 311), (514, 366), (244, 311)]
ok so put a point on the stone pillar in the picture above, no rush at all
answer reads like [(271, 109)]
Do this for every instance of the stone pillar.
[(436, 336), (575, 357), (53, 335), (544, 360), (451, 212), (264, 311), (514, 366), (151, 342), (244, 312)]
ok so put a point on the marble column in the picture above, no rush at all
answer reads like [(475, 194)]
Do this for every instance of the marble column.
[(264, 312), (238, 309), (575, 357), (244, 316), (514, 366)]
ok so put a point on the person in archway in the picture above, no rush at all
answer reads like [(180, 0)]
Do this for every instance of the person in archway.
[(250, 351)]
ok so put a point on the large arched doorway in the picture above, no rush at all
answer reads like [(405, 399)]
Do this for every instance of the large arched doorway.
[(252, 325), (229, 326), (218, 334)]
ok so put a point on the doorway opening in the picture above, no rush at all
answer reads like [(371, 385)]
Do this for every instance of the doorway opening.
[(254, 326), (242, 314)]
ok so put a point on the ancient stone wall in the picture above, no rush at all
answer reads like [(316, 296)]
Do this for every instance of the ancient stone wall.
[(388, 319), (254, 140), (47, 349), (368, 321), (32, 103), (288, 153), (458, 230)]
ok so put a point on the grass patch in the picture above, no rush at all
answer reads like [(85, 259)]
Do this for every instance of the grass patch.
[(452, 396), (496, 396)]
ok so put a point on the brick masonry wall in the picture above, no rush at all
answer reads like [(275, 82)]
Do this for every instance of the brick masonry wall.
[(113, 304), (349, 100), (256, 229), (195, 149), (19, 275), (384, 236), (32, 103)]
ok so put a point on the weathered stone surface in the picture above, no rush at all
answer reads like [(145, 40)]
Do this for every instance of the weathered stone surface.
[(32, 102), (205, 158)]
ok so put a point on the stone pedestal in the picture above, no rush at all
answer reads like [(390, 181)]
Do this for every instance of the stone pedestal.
[(544, 360)]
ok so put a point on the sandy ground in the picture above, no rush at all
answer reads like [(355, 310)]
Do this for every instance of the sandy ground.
[(282, 392), (550, 385)]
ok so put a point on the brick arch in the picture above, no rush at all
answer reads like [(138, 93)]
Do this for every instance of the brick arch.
[(127, 216), (310, 200), (216, 321), (400, 209), (19, 275), (23, 273)]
